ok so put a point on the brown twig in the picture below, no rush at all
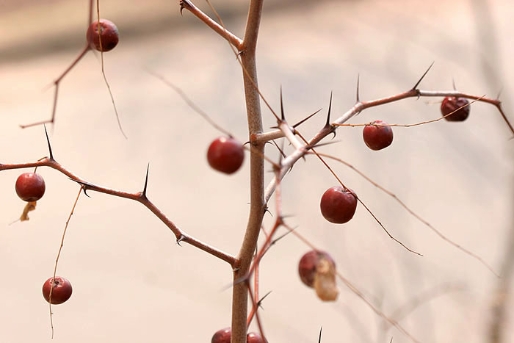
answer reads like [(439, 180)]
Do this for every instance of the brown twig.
[(222, 31), (58, 256), (140, 197)]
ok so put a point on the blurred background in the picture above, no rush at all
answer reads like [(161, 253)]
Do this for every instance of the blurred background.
[(133, 283)]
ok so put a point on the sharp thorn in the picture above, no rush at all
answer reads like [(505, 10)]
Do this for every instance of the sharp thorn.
[(259, 303), (49, 145), (329, 110), (307, 118), (499, 93), (422, 76), (143, 194), (84, 189)]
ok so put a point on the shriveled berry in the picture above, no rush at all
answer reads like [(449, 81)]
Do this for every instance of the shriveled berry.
[(377, 135), (451, 104), (61, 291), (102, 35), (226, 155), (317, 270), (308, 263), (338, 205), (30, 186)]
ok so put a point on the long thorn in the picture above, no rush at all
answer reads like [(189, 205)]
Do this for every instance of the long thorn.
[(282, 114), (307, 118), (422, 77), (143, 194), (329, 110), (49, 146)]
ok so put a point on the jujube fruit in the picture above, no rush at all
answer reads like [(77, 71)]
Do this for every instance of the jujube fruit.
[(225, 335), (338, 205), (222, 336), (254, 337), (104, 31), (377, 135), (451, 104), (30, 186), (61, 290), (226, 155)]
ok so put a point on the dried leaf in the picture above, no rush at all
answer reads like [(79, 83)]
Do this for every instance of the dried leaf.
[(325, 280), (31, 206)]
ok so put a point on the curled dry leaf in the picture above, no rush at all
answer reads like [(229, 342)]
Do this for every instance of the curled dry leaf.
[(31, 206), (325, 280)]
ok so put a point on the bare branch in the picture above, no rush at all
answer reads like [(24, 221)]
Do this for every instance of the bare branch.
[(179, 234), (222, 31)]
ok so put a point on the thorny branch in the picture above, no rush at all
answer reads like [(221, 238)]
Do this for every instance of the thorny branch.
[(302, 149), (140, 197)]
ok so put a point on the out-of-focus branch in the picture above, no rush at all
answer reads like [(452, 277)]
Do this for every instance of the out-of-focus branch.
[(223, 32)]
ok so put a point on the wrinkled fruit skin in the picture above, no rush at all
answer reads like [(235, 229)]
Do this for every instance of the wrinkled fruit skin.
[(451, 104), (317, 270), (377, 135), (308, 263), (61, 292), (224, 336), (226, 155), (30, 187), (109, 35), (338, 205)]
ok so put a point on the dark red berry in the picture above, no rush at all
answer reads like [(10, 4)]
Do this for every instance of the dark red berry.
[(308, 264), (102, 35), (338, 205), (226, 155), (224, 336), (254, 337), (30, 186), (61, 291), (451, 104), (377, 135)]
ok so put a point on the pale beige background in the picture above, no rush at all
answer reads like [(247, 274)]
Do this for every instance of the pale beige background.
[(132, 283)]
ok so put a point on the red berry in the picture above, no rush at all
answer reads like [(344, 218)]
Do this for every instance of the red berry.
[(254, 337), (61, 290), (224, 336), (338, 205), (106, 32), (226, 155), (377, 135), (30, 186), (308, 263), (450, 104)]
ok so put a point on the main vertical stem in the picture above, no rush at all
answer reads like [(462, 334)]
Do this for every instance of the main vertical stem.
[(257, 205)]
